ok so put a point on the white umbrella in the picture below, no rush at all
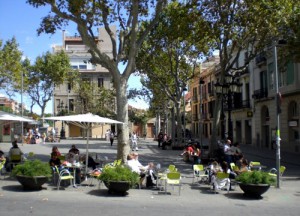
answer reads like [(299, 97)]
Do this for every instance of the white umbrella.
[(4, 116), (86, 121)]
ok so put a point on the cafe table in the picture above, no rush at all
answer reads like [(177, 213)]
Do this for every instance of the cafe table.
[(258, 167), (73, 168)]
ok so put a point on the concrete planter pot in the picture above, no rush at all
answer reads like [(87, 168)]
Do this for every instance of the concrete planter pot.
[(254, 190), (118, 187), (32, 183)]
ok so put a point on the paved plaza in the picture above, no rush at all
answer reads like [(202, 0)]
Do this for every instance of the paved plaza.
[(195, 199)]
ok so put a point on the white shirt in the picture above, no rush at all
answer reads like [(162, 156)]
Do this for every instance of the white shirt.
[(134, 165), (133, 137)]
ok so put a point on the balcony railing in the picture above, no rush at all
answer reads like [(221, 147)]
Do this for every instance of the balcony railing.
[(261, 58), (260, 93), (195, 117)]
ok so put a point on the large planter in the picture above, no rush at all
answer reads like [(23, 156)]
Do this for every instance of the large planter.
[(254, 190), (32, 183), (118, 187)]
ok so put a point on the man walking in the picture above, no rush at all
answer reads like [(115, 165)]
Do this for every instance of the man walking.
[(111, 137)]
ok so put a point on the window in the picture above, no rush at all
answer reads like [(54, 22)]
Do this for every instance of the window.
[(293, 109), (69, 87), (71, 104), (74, 67), (100, 82), (82, 67), (290, 73), (86, 79), (271, 75), (282, 76)]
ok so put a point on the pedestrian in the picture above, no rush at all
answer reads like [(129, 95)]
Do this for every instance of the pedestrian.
[(134, 142), (228, 151), (160, 138), (111, 137)]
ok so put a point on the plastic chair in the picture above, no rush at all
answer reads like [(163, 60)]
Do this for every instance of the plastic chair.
[(64, 175), (199, 173), (31, 156), (14, 160), (254, 163), (232, 165), (173, 179), (273, 171), (2, 166), (172, 168)]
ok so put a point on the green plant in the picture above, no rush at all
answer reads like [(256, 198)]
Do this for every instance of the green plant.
[(32, 168), (119, 173), (255, 177)]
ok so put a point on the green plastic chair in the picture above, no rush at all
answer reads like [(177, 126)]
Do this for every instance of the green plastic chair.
[(273, 171), (2, 166), (199, 173), (173, 179), (63, 176), (172, 168)]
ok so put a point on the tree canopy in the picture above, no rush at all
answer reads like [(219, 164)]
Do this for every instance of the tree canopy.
[(126, 18)]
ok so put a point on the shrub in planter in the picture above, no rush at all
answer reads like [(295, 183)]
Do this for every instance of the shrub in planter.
[(121, 176), (255, 177), (255, 183), (32, 174)]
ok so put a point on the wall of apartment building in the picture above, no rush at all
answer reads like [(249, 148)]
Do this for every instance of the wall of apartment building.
[(264, 131), (79, 58)]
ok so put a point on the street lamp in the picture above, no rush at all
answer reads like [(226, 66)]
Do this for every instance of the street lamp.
[(61, 108), (227, 91), (201, 82), (278, 111)]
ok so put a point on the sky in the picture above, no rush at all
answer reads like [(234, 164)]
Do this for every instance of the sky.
[(20, 20)]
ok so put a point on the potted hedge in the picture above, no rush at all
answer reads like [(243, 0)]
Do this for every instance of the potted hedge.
[(119, 179), (32, 174), (255, 183)]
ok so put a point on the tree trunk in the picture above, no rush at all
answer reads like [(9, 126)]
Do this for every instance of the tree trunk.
[(122, 115)]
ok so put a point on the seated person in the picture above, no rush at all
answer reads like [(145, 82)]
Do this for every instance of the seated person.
[(15, 150), (220, 183), (151, 177), (55, 161), (2, 157), (15, 154), (91, 162), (55, 149), (166, 142), (244, 167), (187, 152), (72, 159), (74, 150), (136, 166)]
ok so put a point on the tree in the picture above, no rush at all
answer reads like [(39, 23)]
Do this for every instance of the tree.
[(126, 16), (169, 56), (49, 70), (10, 65), (94, 99), (237, 27)]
